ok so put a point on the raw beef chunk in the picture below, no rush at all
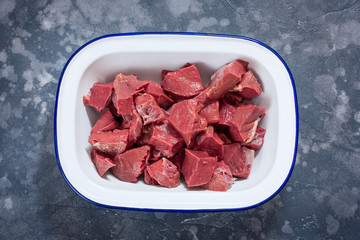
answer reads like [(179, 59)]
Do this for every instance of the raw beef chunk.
[(233, 98), (258, 140), (211, 112), (130, 164), (148, 108), (165, 139), (198, 167), (99, 96), (178, 159), (186, 121), (221, 179), (249, 87), (134, 123), (123, 94), (183, 83), (226, 113), (103, 162), (225, 79), (112, 143), (239, 159), (157, 92), (210, 142), (164, 173), (105, 123), (244, 122), (224, 138)]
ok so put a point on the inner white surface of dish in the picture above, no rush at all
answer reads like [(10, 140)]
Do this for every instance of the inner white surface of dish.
[(145, 56)]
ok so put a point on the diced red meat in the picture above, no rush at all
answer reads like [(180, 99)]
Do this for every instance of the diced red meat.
[(134, 123), (198, 167), (239, 159), (148, 179), (148, 108), (211, 112), (103, 162), (183, 83), (225, 79), (123, 94), (210, 142), (224, 138), (164, 173), (112, 143), (258, 140), (145, 137), (130, 164), (105, 123), (164, 72), (178, 159), (226, 113), (185, 119), (221, 179), (99, 96), (249, 87), (233, 98), (165, 139), (244, 122), (113, 109), (157, 92)]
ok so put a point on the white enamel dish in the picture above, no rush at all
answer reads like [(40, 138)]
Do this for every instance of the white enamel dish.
[(146, 54)]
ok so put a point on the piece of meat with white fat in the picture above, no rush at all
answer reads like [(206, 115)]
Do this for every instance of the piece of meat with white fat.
[(221, 179), (239, 159), (103, 162), (183, 83), (148, 108), (130, 164), (210, 142), (258, 140), (105, 123), (164, 173), (99, 96), (165, 139), (243, 124), (249, 86), (185, 119), (198, 167), (112, 143)]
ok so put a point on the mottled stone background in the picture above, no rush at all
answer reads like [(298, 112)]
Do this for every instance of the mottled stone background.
[(320, 41)]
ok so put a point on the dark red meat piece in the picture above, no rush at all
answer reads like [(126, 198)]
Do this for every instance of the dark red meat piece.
[(225, 79), (164, 173), (130, 164), (197, 167), (224, 138), (221, 179), (148, 179), (239, 159), (112, 143), (183, 83), (123, 94), (99, 96), (148, 108), (103, 162), (157, 92), (165, 139), (145, 137), (211, 112), (233, 98), (258, 140), (210, 142), (178, 159), (249, 87), (164, 71), (185, 119), (244, 122), (226, 113), (105, 123)]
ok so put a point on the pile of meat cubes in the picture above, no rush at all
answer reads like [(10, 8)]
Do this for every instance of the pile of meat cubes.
[(208, 134)]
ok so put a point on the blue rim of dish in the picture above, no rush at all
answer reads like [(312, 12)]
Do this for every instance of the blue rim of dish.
[(179, 34)]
